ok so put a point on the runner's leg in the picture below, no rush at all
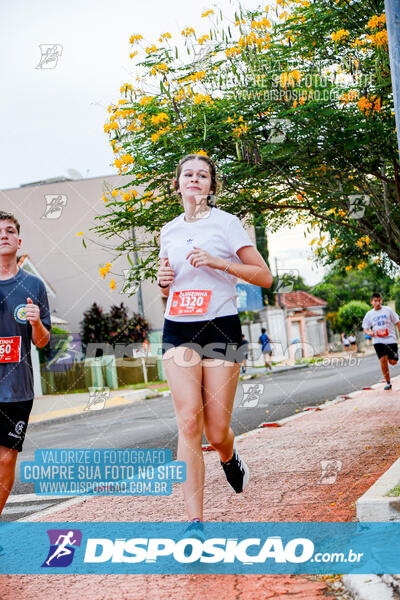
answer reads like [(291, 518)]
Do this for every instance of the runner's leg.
[(385, 367), (220, 380), (8, 459), (184, 374)]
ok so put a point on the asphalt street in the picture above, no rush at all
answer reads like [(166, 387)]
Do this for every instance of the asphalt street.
[(151, 423)]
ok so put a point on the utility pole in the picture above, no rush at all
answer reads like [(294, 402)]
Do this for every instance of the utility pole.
[(135, 262), (392, 9), (282, 305), (277, 283)]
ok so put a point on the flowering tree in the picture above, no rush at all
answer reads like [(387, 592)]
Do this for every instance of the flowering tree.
[(294, 105)]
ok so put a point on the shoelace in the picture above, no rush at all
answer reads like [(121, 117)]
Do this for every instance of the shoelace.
[(236, 460), (239, 462)]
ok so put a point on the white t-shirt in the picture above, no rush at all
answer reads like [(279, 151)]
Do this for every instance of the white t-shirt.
[(219, 233), (382, 322)]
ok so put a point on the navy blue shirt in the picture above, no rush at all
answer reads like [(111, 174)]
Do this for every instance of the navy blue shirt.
[(16, 374)]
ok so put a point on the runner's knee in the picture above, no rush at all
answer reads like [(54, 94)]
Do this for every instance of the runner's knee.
[(8, 457), (191, 426), (216, 436)]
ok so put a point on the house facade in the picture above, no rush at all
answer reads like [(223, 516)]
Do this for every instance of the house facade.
[(306, 325)]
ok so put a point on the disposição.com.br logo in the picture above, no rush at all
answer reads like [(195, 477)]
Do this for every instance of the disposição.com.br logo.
[(62, 547)]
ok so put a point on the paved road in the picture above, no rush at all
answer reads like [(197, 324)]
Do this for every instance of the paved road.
[(151, 423)]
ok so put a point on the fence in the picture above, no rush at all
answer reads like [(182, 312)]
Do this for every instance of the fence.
[(99, 372)]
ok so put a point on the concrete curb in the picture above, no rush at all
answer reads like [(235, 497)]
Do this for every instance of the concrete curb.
[(368, 587), (374, 505), (246, 376), (75, 413)]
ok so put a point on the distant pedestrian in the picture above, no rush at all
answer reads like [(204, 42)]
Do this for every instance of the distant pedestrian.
[(266, 348), (345, 342), (353, 342), (368, 339), (245, 353)]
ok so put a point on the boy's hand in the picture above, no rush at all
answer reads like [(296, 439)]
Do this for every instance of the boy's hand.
[(32, 312)]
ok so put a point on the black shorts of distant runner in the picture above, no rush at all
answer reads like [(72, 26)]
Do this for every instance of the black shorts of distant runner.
[(14, 417), (389, 350), (219, 338)]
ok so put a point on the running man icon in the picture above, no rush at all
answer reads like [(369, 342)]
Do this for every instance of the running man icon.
[(61, 551)]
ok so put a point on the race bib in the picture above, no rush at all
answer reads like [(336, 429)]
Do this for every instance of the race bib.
[(382, 332), (10, 349), (190, 302)]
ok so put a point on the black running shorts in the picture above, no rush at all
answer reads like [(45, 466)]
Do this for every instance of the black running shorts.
[(389, 350), (14, 417), (219, 338)]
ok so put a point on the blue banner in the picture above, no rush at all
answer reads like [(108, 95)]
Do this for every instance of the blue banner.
[(249, 297), (245, 548), (112, 472)]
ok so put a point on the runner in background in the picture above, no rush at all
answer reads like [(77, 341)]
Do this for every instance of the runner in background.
[(380, 323), (345, 342), (353, 342), (245, 344), (24, 318), (202, 252), (368, 339), (266, 348)]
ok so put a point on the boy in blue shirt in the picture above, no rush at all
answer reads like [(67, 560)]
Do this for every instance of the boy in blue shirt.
[(266, 348), (24, 318)]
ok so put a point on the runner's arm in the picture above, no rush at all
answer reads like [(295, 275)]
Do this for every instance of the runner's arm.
[(165, 273), (252, 268), (370, 332), (40, 335)]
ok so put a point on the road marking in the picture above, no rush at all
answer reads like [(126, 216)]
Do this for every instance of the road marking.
[(55, 508), (21, 498), (9, 510)]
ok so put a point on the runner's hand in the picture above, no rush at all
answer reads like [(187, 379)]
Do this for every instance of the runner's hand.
[(165, 272), (201, 258), (32, 312)]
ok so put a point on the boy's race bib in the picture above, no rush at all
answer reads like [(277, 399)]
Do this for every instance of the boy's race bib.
[(10, 349), (190, 302), (382, 332)]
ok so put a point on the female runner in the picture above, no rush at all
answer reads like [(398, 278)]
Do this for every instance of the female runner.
[(202, 251)]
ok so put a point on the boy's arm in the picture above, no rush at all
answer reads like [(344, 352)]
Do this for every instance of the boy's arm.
[(40, 335)]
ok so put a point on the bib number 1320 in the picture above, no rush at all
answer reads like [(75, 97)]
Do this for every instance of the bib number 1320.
[(190, 302)]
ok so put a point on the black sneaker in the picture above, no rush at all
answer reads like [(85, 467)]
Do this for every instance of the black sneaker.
[(388, 386), (237, 472)]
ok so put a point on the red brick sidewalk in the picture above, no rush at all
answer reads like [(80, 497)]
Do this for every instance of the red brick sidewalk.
[(286, 470)]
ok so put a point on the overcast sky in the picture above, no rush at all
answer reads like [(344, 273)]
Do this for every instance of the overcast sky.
[(53, 119)]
